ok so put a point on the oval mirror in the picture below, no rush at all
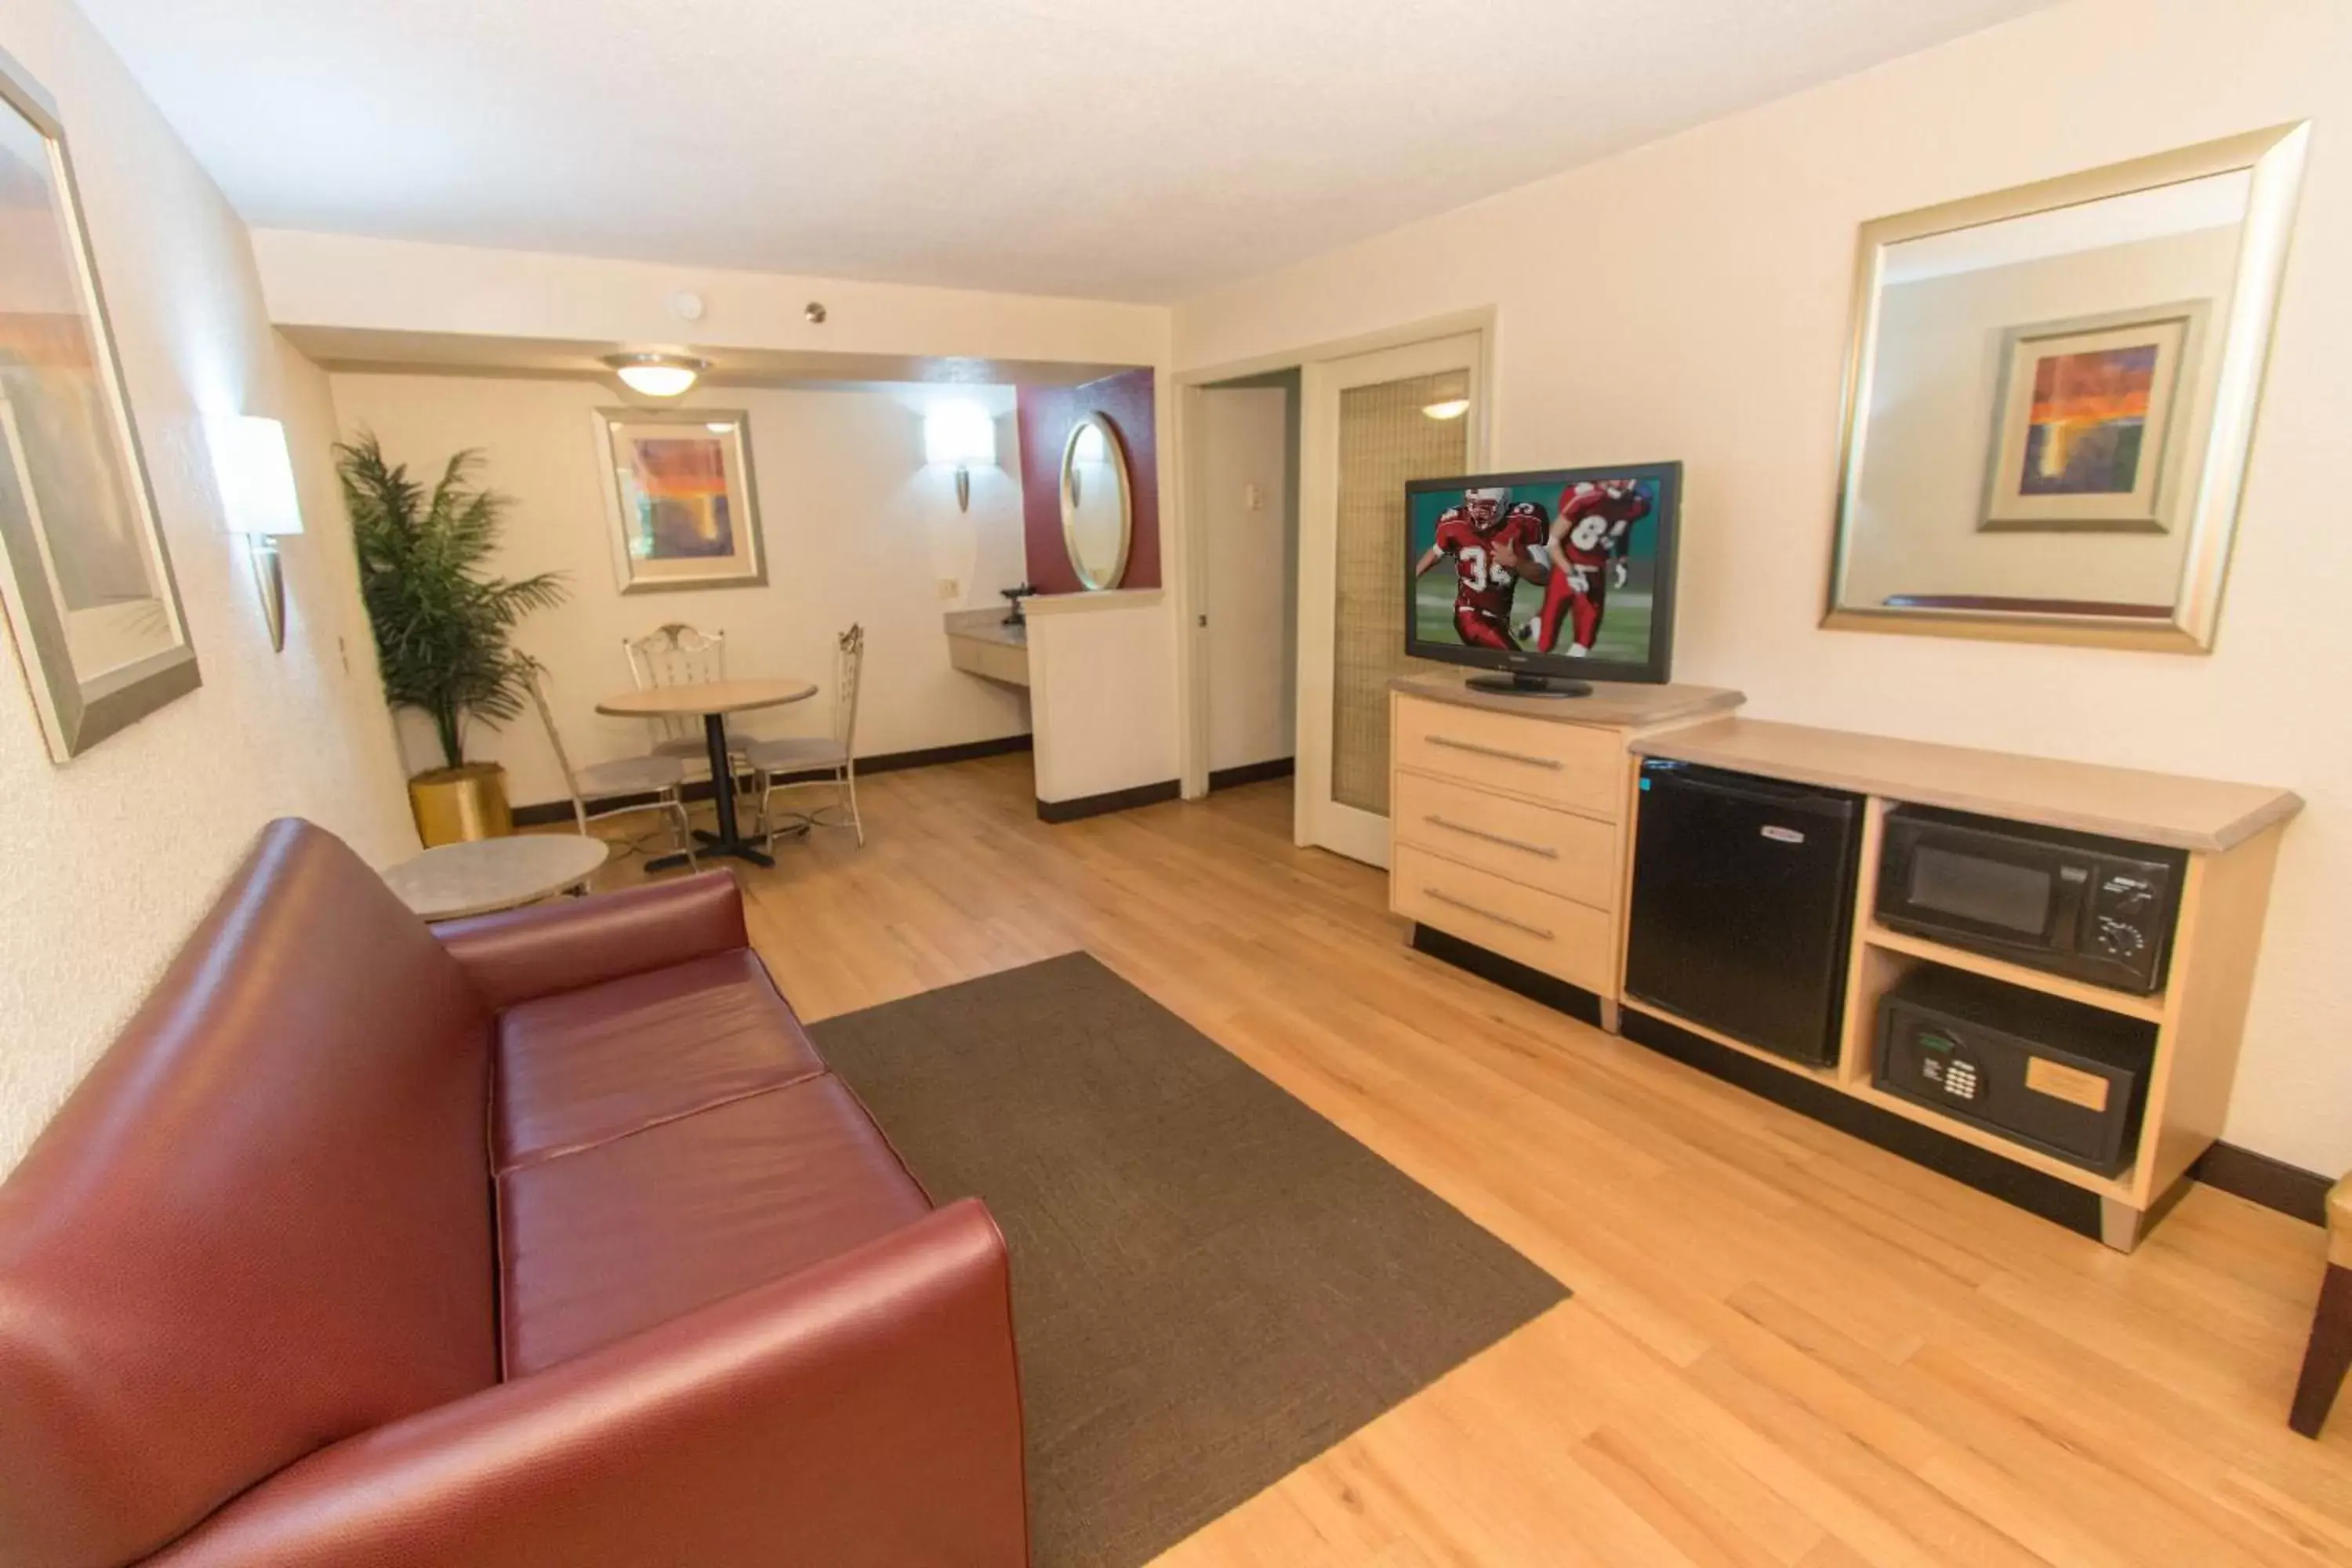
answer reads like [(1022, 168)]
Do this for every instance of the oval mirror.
[(1097, 516)]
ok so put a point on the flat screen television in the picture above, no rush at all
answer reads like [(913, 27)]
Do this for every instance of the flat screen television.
[(1550, 579)]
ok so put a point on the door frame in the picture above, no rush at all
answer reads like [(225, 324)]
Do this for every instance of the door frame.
[(1191, 580), (1316, 818)]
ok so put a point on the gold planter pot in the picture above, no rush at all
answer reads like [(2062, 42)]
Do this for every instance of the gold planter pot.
[(454, 806)]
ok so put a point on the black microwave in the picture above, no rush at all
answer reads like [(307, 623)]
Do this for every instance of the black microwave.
[(2094, 909)]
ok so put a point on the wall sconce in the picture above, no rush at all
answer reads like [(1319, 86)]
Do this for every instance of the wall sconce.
[(255, 470), (962, 434)]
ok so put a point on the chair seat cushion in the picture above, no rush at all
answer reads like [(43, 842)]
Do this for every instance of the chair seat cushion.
[(630, 776), (588, 1066), (601, 1244), (795, 751)]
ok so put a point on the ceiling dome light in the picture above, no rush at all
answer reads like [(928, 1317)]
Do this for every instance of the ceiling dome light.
[(657, 376), (1452, 408)]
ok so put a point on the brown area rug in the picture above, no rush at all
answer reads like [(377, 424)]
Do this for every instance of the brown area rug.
[(1212, 1284)]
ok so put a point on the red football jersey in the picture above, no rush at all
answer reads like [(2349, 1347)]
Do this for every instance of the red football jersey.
[(1597, 521), (1482, 583)]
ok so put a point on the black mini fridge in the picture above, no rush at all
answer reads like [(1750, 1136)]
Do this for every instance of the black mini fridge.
[(1743, 905)]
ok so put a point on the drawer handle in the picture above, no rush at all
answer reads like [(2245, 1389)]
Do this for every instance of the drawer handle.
[(1552, 762), (1546, 850), (1537, 931)]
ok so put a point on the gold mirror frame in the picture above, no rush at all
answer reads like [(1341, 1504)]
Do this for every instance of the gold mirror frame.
[(1116, 451), (2275, 158)]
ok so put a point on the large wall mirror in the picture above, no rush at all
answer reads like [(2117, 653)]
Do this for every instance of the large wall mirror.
[(1098, 512), (2050, 398)]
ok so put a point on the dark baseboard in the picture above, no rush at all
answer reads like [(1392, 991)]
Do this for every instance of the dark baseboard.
[(1509, 974), (543, 812), (2059, 1202), (1100, 804), (2259, 1179), (1253, 772)]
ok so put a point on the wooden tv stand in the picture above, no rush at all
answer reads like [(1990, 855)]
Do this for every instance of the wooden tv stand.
[(1551, 794), (1509, 817)]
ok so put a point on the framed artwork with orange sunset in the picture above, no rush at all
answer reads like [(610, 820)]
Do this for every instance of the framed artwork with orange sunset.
[(681, 508), (2085, 419)]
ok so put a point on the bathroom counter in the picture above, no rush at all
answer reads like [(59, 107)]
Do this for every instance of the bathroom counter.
[(979, 643)]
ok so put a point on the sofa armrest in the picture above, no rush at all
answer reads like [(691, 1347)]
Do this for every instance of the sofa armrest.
[(563, 946), (864, 1413)]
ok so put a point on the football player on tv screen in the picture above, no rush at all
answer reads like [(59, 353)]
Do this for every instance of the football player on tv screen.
[(1488, 549), (1582, 557)]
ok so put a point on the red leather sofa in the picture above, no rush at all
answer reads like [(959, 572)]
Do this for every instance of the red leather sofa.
[(544, 1239)]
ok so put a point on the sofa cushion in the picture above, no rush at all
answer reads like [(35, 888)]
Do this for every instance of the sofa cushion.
[(634, 1231), (261, 1223), (588, 1066)]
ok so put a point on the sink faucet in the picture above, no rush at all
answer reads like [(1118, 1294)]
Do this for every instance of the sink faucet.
[(1014, 597)]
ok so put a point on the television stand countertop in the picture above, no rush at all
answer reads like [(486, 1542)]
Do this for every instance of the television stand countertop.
[(1513, 824), (1507, 817), (1614, 704), (2121, 803), (2231, 832)]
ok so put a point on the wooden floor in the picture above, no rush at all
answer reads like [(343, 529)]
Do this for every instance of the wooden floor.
[(1785, 1346)]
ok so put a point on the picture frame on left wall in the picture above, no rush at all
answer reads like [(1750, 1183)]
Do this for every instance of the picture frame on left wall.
[(92, 601), (681, 510)]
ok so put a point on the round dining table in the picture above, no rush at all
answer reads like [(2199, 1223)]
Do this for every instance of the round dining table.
[(712, 701)]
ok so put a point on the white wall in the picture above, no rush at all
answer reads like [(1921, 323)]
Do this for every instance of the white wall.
[(1938, 375), (342, 280), (1249, 540), (111, 858), (1688, 299), (1102, 683), (858, 528)]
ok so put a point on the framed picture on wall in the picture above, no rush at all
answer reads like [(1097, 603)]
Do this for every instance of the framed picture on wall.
[(2084, 423), (681, 510), (90, 598)]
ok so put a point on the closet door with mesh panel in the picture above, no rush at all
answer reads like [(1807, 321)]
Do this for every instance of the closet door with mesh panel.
[(1374, 422)]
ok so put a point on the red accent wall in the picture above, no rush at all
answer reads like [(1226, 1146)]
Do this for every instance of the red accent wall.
[(1047, 415)]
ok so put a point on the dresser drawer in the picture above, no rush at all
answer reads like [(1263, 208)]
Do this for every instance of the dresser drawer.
[(1567, 766), (1551, 851), (1573, 941)]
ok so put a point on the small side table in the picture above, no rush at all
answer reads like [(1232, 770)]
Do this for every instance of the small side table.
[(488, 875)]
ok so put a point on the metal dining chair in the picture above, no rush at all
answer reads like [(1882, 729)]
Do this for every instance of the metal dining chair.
[(677, 655), (833, 756), (617, 788)]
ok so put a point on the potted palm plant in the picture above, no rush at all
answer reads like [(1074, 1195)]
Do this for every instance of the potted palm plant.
[(441, 622)]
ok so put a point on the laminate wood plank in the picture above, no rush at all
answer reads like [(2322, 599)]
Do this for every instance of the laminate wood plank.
[(1785, 1346)]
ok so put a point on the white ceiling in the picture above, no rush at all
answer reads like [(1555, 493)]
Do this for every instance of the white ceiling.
[(1118, 149)]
